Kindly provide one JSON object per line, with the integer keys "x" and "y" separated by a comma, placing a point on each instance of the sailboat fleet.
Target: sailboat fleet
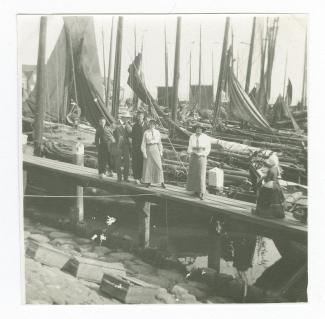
{"x": 243, "y": 126}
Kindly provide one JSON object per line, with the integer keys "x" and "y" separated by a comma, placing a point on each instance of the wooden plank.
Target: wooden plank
{"x": 213, "y": 204}
{"x": 46, "y": 254}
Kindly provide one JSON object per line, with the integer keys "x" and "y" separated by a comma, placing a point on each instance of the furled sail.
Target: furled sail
{"x": 137, "y": 84}
{"x": 242, "y": 108}
{"x": 73, "y": 72}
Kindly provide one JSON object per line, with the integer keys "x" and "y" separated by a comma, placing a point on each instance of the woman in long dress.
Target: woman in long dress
{"x": 270, "y": 198}
{"x": 152, "y": 151}
{"x": 199, "y": 148}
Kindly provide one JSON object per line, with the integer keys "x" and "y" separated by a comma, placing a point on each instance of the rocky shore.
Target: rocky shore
{"x": 50, "y": 285}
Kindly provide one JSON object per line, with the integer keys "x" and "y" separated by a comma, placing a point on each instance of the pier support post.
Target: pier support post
{"x": 143, "y": 210}
{"x": 214, "y": 254}
{"x": 78, "y": 206}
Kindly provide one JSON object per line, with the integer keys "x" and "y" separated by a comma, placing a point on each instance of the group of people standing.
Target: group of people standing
{"x": 117, "y": 143}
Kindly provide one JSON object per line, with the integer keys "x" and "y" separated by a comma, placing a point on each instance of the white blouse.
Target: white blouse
{"x": 199, "y": 144}
{"x": 151, "y": 137}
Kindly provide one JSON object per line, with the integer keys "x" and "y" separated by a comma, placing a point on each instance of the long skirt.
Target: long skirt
{"x": 152, "y": 167}
{"x": 137, "y": 162}
{"x": 196, "y": 179}
{"x": 270, "y": 202}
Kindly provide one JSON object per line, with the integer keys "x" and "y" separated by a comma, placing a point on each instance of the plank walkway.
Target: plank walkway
{"x": 212, "y": 204}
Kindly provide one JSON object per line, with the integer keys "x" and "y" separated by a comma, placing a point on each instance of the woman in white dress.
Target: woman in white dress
{"x": 152, "y": 151}
{"x": 199, "y": 147}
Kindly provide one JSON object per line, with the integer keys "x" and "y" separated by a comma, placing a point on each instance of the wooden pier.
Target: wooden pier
{"x": 214, "y": 205}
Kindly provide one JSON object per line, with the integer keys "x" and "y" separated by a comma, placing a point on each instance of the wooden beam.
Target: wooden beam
{"x": 143, "y": 210}
{"x": 176, "y": 68}
{"x": 78, "y": 207}
{"x": 215, "y": 250}
{"x": 40, "y": 89}
{"x": 117, "y": 69}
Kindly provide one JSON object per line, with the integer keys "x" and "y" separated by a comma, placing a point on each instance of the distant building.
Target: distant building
{"x": 28, "y": 79}
{"x": 161, "y": 95}
{"x": 206, "y": 100}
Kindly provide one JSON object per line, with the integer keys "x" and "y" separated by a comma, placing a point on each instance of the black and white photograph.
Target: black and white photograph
{"x": 164, "y": 158}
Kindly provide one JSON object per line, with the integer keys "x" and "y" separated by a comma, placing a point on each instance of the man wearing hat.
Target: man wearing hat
{"x": 137, "y": 157}
{"x": 122, "y": 147}
{"x": 199, "y": 147}
{"x": 104, "y": 140}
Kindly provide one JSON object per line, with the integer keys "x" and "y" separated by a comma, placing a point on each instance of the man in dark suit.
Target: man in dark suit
{"x": 104, "y": 140}
{"x": 137, "y": 157}
{"x": 122, "y": 149}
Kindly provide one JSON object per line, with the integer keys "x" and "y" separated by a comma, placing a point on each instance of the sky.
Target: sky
{"x": 150, "y": 30}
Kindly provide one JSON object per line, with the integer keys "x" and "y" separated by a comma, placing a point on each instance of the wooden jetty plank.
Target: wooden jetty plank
{"x": 234, "y": 209}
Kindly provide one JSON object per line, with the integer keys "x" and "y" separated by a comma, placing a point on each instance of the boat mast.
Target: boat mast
{"x": 166, "y": 72}
{"x": 285, "y": 77}
{"x": 189, "y": 95}
{"x": 304, "y": 79}
{"x": 135, "y": 98}
{"x": 212, "y": 82}
{"x": 41, "y": 89}
{"x": 221, "y": 73}
{"x": 109, "y": 65}
{"x": 117, "y": 69}
{"x": 200, "y": 67}
{"x": 104, "y": 64}
{"x": 250, "y": 58}
{"x": 176, "y": 69}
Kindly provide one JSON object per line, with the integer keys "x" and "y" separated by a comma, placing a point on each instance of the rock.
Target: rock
{"x": 101, "y": 250}
{"x": 90, "y": 255}
{"x": 39, "y": 238}
{"x": 63, "y": 241}
{"x": 47, "y": 229}
{"x": 170, "y": 275}
{"x": 56, "y": 234}
{"x": 122, "y": 256}
{"x": 154, "y": 280}
{"x": 200, "y": 294}
{"x": 86, "y": 248}
{"x": 178, "y": 291}
{"x": 82, "y": 241}
{"x": 165, "y": 297}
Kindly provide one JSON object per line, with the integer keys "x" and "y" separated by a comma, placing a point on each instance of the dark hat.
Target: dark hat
{"x": 198, "y": 125}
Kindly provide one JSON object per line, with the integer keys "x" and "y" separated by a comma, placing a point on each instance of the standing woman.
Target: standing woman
{"x": 270, "y": 198}
{"x": 199, "y": 148}
{"x": 152, "y": 151}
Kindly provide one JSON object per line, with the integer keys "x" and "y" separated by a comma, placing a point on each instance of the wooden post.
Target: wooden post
{"x": 250, "y": 58}
{"x": 214, "y": 254}
{"x": 78, "y": 206}
{"x": 221, "y": 73}
{"x": 176, "y": 68}
{"x": 117, "y": 69}
{"x": 108, "y": 86}
{"x": 40, "y": 89}
{"x": 143, "y": 210}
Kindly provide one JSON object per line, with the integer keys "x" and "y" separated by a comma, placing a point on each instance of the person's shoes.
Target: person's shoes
{"x": 201, "y": 196}
{"x": 148, "y": 185}
{"x": 163, "y": 185}
{"x": 102, "y": 175}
